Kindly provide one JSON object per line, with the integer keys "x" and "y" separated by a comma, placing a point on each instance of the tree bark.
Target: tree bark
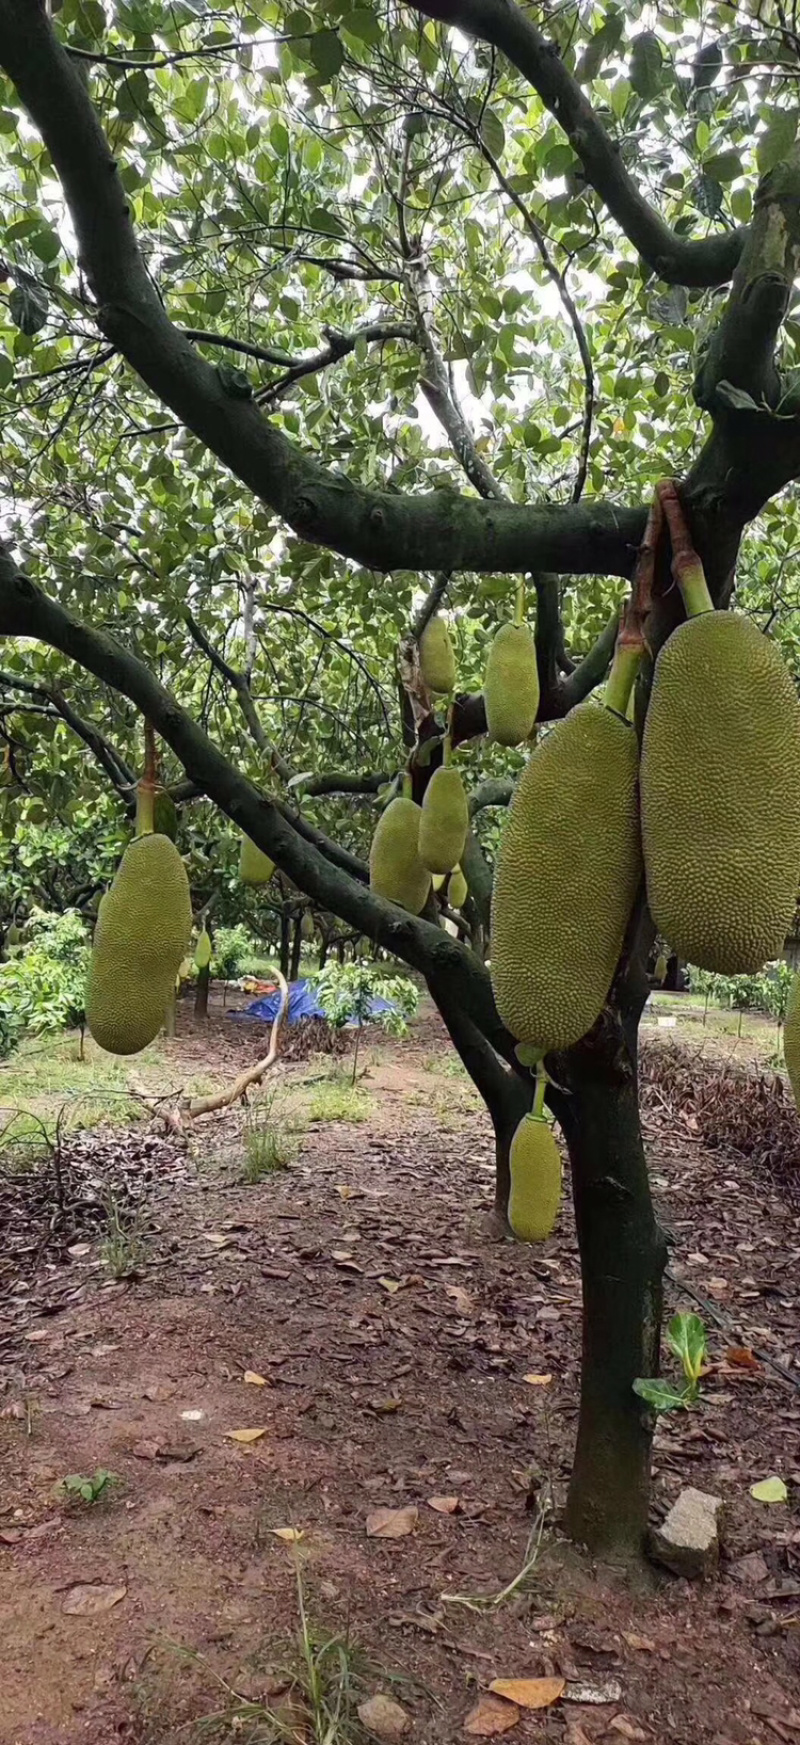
{"x": 202, "y": 991}
{"x": 297, "y": 946}
{"x": 623, "y": 1254}
{"x": 284, "y": 962}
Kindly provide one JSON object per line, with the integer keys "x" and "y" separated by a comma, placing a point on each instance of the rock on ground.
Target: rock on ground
{"x": 688, "y": 1540}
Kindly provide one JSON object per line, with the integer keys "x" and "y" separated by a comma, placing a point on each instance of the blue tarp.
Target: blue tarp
{"x": 303, "y": 1003}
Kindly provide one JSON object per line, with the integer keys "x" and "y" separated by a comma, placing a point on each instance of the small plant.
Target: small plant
{"x": 686, "y": 1338}
{"x": 124, "y": 1248}
{"x": 339, "y": 1100}
{"x": 77, "y": 1488}
{"x": 347, "y": 992}
{"x": 268, "y": 1144}
{"x": 233, "y": 947}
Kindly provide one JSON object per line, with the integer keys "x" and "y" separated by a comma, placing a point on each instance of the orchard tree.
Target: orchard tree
{"x": 320, "y": 317}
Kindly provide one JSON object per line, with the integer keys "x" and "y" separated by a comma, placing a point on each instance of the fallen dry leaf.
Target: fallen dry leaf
{"x": 628, "y": 1730}
{"x": 769, "y": 1490}
{"x": 252, "y": 1435}
{"x": 742, "y": 1357}
{"x": 88, "y": 1599}
{"x": 640, "y": 1642}
{"x": 290, "y": 1535}
{"x": 529, "y": 1693}
{"x": 392, "y": 1523}
{"x": 490, "y": 1717}
{"x": 445, "y": 1505}
{"x": 391, "y": 1285}
{"x": 253, "y": 1379}
{"x": 384, "y": 1717}
{"x": 538, "y": 1381}
{"x": 10, "y": 1535}
{"x": 460, "y": 1297}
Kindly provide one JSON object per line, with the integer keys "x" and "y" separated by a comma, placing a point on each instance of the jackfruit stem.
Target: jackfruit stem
{"x": 150, "y": 755}
{"x": 145, "y": 801}
{"x": 447, "y": 747}
{"x": 519, "y": 603}
{"x": 407, "y": 788}
{"x": 538, "y": 1096}
{"x": 686, "y": 565}
{"x": 622, "y": 677}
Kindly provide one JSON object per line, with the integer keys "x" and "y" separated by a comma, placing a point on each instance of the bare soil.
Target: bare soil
{"x": 394, "y": 1331}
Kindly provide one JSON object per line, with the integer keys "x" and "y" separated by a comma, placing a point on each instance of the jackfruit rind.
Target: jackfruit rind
{"x": 437, "y": 659}
{"x": 535, "y": 1170}
{"x": 457, "y": 889}
{"x": 395, "y": 869}
{"x": 142, "y": 933}
{"x": 444, "y": 822}
{"x": 720, "y": 788}
{"x": 567, "y": 873}
{"x": 511, "y": 685}
{"x": 255, "y": 867}
{"x": 791, "y": 1038}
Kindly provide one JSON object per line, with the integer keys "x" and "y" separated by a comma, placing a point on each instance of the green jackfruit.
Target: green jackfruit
{"x": 457, "y": 889}
{"x": 307, "y": 927}
{"x": 535, "y": 1168}
{"x": 395, "y": 869}
{"x": 511, "y": 685}
{"x": 165, "y": 814}
{"x": 202, "y": 950}
{"x": 791, "y": 1038}
{"x": 567, "y": 873}
{"x": 255, "y": 867}
{"x": 144, "y": 923}
{"x": 444, "y": 823}
{"x": 437, "y": 659}
{"x": 720, "y": 786}
{"x": 437, "y": 880}
{"x": 660, "y": 971}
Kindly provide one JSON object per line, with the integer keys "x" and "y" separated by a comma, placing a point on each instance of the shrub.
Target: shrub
{"x": 766, "y": 992}
{"x": 233, "y": 946}
{"x": 42, "y": 986}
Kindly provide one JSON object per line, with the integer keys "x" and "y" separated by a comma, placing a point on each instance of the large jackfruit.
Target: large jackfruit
{"x": 511, "y": 685}
{"x": 444, "y": 823}
{"x": 535, "y": 1169}
{"x": 255, "y": 867}
{"x": 791, "y": 1038}
{"x": 457, "y": 889}
{"x": 567, "y": 873}
{"x": 142, "y": 934}
{"x": 395, "y": 869}
{"x": 720, "y": 783}
{"x": 437, "y": 659}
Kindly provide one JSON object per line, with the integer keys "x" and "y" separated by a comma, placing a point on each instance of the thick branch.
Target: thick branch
{"x": 592, "y": 669}
{"x": 120, "y": 774}
{"x": 337, "y": 782}
{"x": 379, "y": 529}
{"x": 494, "y": 791}
{"x": 709, "y": 261}
{"x": 339, "y": 345}
{"x": 742, "y": 348}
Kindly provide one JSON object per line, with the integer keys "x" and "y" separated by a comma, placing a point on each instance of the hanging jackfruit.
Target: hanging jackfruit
{"x": 720, "y": 788}
{"x": 660, "y": 971}
{"x": 445, "y": 820}
{"x": 307, "y": 927}
{"x": 437, "y": 880}
{"x": 457, "y": 889}
{"x": 202, "y": 950}
{"x": 255, "y": 867}
{"x": 165, "y": 814}
{"x": 791, "y": 1038}
{"x": 567, "y": 873}
{"x": 437, "y": 659}
{"x": 395, "y": 869}
{"x": 144, "y": 923}
{"x": 511, "y": 685}
{"x": 535, "y": 1169}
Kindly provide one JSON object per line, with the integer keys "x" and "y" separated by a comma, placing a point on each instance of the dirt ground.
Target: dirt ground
{"x": 401, "y": 1357}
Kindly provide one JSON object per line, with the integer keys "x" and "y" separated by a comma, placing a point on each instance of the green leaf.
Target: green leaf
{"x": 326, "y": 53}
{"x": 707, "y": 66}
{"x": 769, "y": 1490}
{"x": 28, "y": 306}
{"x": 686, "y": 1338}
{"x": 662, "y": 1396}
{"x": 778, "y": 140}
{"x": 279, "y": 139}
{"x": 737, "y": 398}
{"x": 321, "y": 219}
{"x": 6, "y": 369}
{"x": 646, "y": 64}
{"x": 493, "y": 133}
{"x": 46, "y": 244}
{"x": 362, "y": 24}
{"x": 725, "y": 166}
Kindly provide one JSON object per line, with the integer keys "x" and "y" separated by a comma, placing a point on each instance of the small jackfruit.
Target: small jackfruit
{"x": 660, "y": 971}
{"x": 457, "y": 889}
{"x": 165, "y": 814}
{"x": 535, "y": 1169}
{"x": 567, "y": 873}
{"x": 791, "y": 1038}
{"x": 720, "y": 788}
{"x": 511, "y": 685}
{"x": 437, "y": 659}
{"x": 307, "y": 927}
{"x": 202, "y": 950}
{"x": 144, "y": 923}
{"x": 395, "y": 869}
{"x": 445, "y": 820}
{"x": 255, "y": 867}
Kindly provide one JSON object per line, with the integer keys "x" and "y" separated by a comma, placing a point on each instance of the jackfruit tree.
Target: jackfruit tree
{"x": 342, "y": 350}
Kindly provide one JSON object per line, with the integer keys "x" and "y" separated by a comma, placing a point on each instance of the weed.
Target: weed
{"x": 268, "y": 1145}
{"x": 123, "y": 1249}
{"x": 336, "y": 1100}
{"x": 78, "y": 1488}
{"x": 448, "y": 1064}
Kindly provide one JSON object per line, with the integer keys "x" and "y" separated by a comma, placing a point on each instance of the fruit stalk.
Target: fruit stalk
{"x": 686, "y": 565}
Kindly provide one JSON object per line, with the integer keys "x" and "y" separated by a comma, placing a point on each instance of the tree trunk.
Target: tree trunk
{"x": 285, "y": 942}
{"x": 323, "y": 953}
{"x": 297, "y": 946}
{"x": 169, "y": 1015}
{"x": 202, "y": 991}
{"x": 623, "y": 1254}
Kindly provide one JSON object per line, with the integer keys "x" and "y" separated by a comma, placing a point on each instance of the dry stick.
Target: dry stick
{"x": 252, "y": 1074}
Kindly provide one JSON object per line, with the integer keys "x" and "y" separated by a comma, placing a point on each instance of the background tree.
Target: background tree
{"x": 432, "y": 287}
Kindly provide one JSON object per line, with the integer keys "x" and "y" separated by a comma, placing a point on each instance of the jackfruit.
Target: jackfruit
{"x": 255, "y": 867}
{"x": 445, "y": 820}
{"x": 567, "y": 873}
{"x": 202, "y": 950}
{"x": 437, "y": 659}
{"x": 791, "y": 1038}
{"x": 457, "y": 889}
{"x": 307, "y": 927}
{"x": 720, "y": 788}
{"x": 14, "y": 934}
{"x": 535, "y": 1169}
{"x": 395, "y": 869}
{"x": 660, "y": 971}
{"x": 165, "y": 814}
{"x": 437, "y": 880}
{"x": 511, "y": 685}
{"x": 144, "y": 923}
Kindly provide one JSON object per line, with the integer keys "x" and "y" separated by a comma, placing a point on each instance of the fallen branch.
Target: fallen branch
{"x": 252, "y": 1074}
